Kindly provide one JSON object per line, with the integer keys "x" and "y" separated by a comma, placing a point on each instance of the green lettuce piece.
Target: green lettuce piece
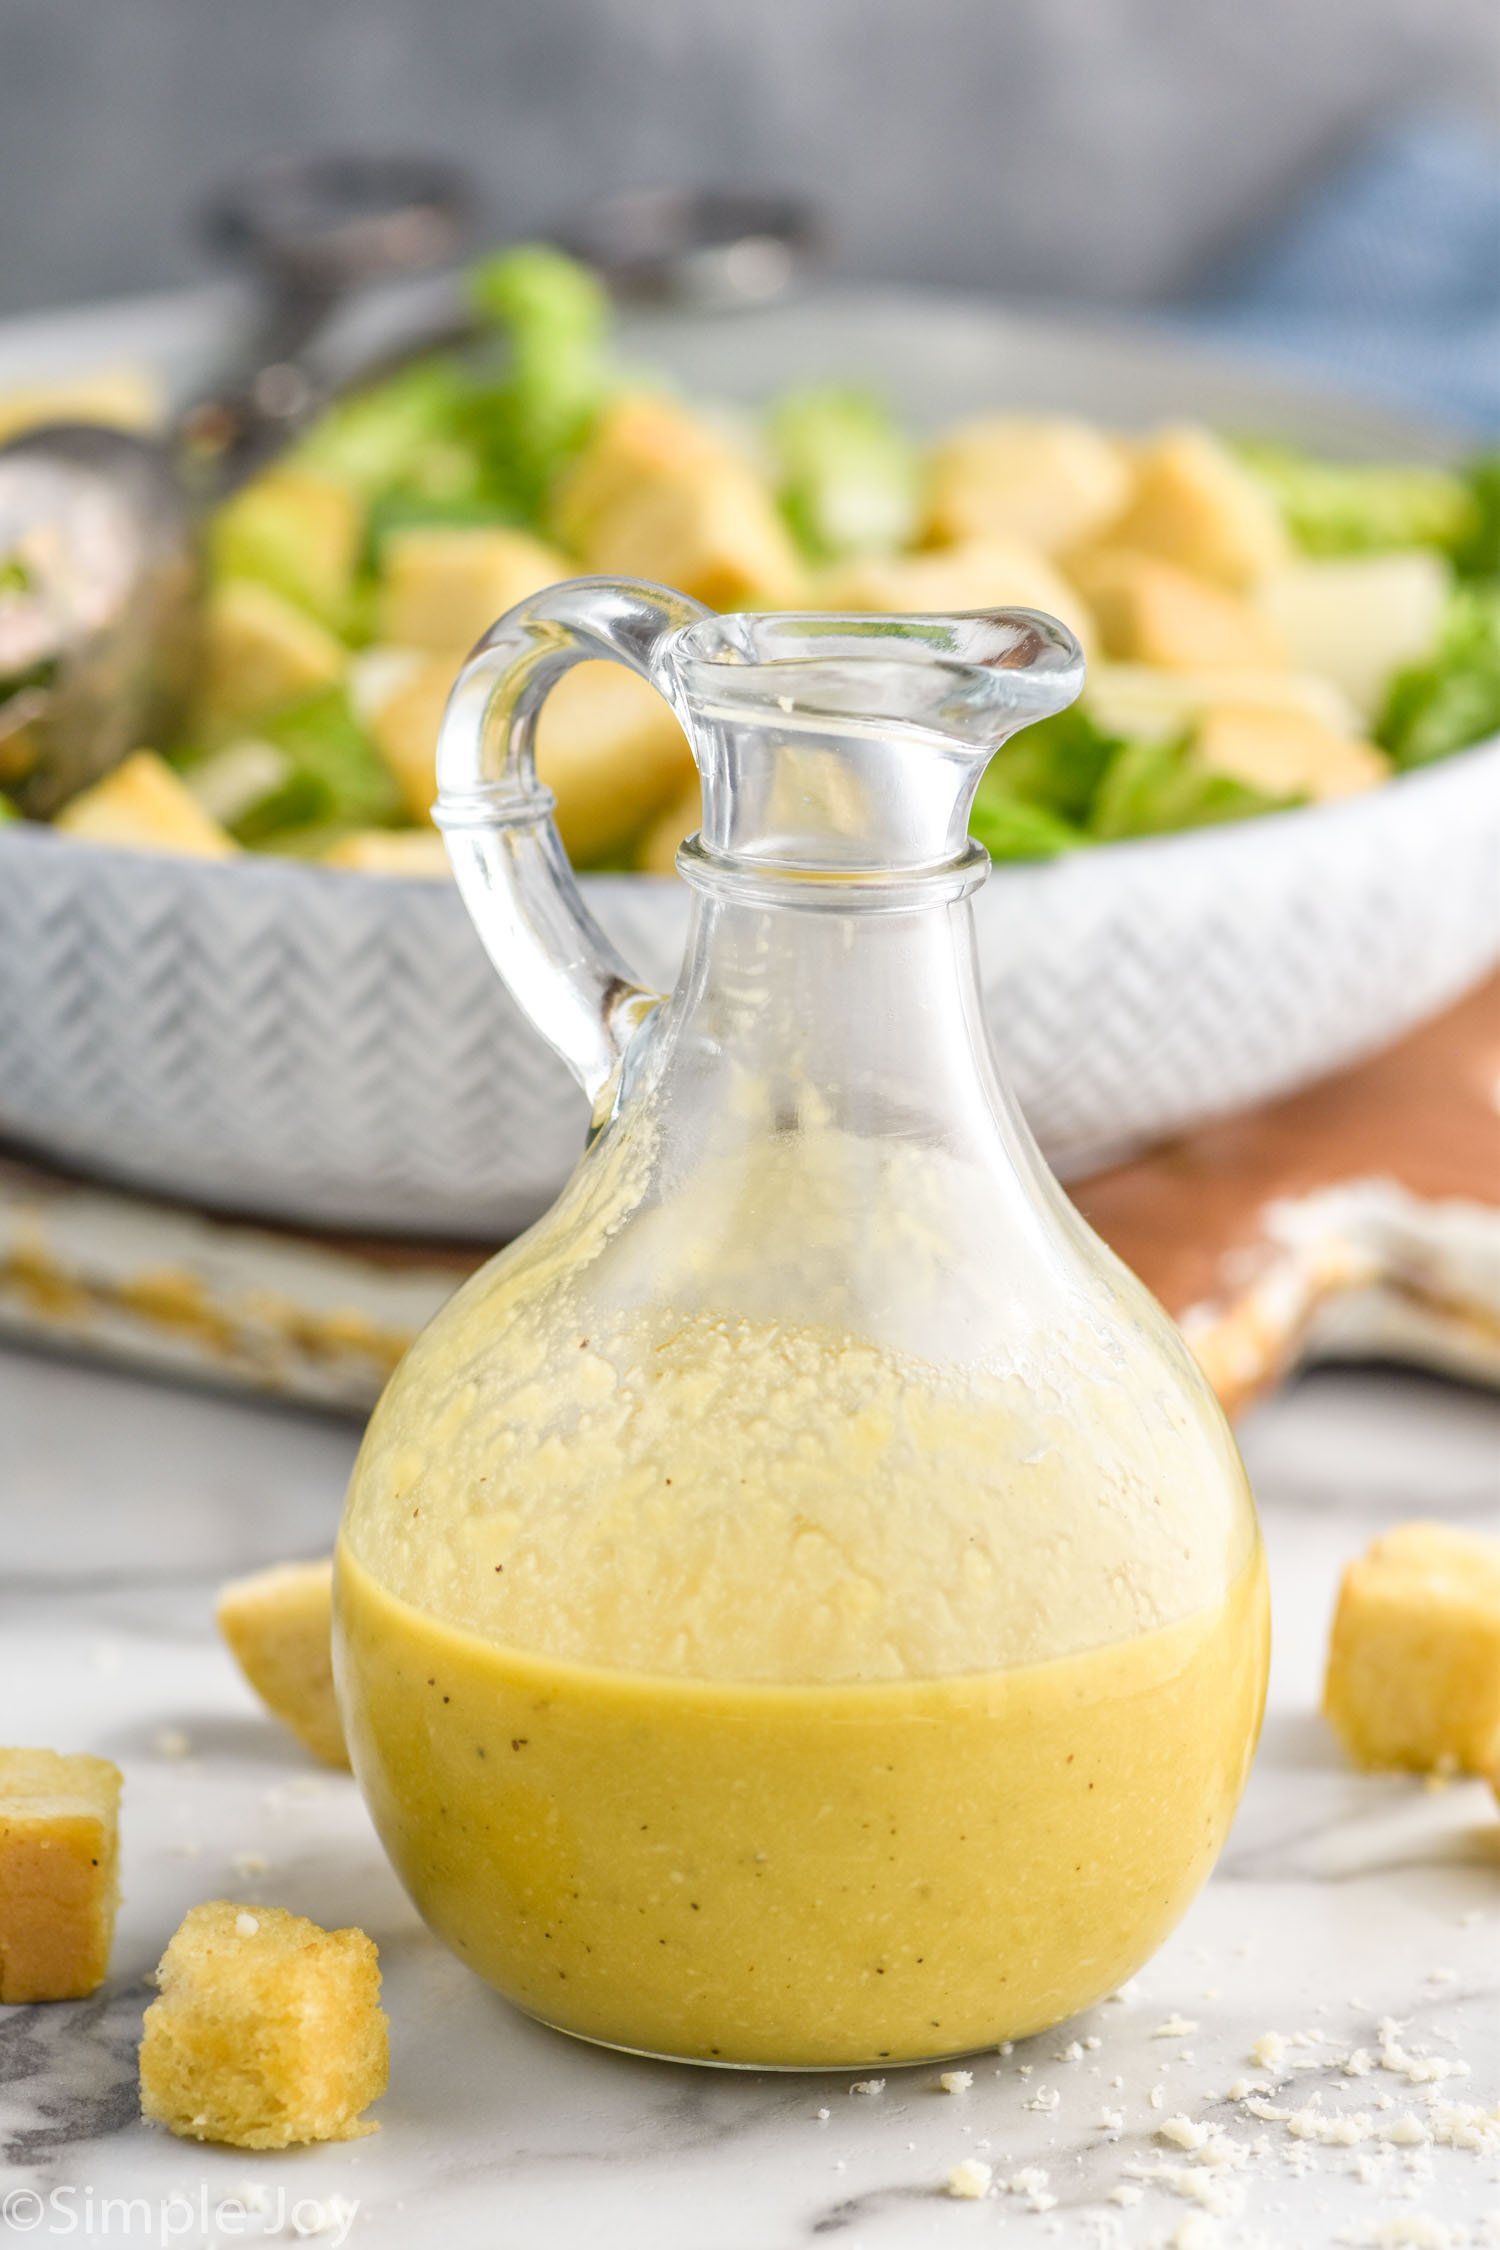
{"x": 1358, "y": 508}
{"x": 1452, "y": 698}
{"x": 8, "y": 811}
{"x": 234, "y": 781}
{"x": 1011, "y": 829}
{"x": 451, "y": 435}
{"x": 554, "y": 316}
{"x": 849, "y": 476}
{"x": 394, "y": 512}
{"x": 1477, "y": 554}
{"x": 300, "y": 537}
{"x": 1157, "y": 788}
{"x": 317, "y": 768}
{"x": 407, "y": 432}
{"x": 1056, "y": 764}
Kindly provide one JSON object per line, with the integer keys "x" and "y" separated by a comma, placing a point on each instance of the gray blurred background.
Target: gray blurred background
{"x": 1112, "y": 150}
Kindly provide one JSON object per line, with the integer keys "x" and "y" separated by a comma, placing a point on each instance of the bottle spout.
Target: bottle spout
{"x": 853, "y": 745}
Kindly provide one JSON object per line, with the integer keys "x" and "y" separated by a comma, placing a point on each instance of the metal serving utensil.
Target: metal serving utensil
{"x": 99, "y": 550}
{"x": 714, "y": 248}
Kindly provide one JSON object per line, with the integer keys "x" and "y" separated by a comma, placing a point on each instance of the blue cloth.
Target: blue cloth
{"x": 1387, "y": 276}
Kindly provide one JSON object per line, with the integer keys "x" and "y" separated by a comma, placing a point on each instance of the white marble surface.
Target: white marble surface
{"x": 1340, "y": 1900}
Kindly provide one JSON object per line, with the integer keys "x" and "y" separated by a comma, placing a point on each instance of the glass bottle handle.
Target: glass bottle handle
{"x": 512, "y": 869}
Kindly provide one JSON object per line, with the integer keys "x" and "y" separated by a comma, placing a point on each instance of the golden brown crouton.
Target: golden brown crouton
{"x": 608, "y": 747}
{"x": 1050, "y": 480}
{"x": 1147, "y": 611}
{"x": 260, "y": 651}
{"x": 980, "y": 574}
{"x": 1193, "y": 503}
{"x": 441, "y": 588}
{"x": 656, "y": 853}
{"x": 1414, "y": 1664}
{"x": 1285, "y": 754}
{"x": 143, "y": 806}
{"x": 418, "y": 852}
{"x": 278, "y": 1624}
{"x": 268, "y": 2031}
{"x": 658, "y": 494}
{"x": 59, "y": 1851}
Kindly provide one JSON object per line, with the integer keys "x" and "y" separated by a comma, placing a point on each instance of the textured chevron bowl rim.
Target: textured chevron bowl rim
{"x": 1132, "y": 990}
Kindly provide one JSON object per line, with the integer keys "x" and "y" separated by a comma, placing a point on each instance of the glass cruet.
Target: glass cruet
{"x": 799, "y": 1605}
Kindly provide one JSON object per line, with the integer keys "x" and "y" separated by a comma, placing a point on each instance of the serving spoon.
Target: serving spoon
{"x": 100, "y": 554}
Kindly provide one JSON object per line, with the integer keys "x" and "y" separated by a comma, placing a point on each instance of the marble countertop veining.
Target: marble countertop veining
{"x": 1341, "y": 1900}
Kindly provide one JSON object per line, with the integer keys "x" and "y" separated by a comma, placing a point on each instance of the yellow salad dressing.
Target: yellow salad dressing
{"x": 820, "y": 1874}
{"x": 696, "y": 1676}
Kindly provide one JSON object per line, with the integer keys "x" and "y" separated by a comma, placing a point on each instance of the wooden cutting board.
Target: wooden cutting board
{"x": 1359, "y": 1218}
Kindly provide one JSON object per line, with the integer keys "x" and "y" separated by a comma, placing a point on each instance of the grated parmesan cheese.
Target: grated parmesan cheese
{"x": 1183, "y": 2132}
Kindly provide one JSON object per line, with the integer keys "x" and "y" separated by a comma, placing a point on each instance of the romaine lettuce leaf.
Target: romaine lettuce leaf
{"x": 405, "y": 433}
{"x": 453, "y": 435}
{"x": 1358, "y": 508}
{"x": 322, "y": 770}
{"x": 1156, "y": 789}
{"x": 1011, "y": 829}
{"x": 848, "y": 474}
{"x": 417, "y": 511}
{"x": 1477, "y": 554}
{"x": 1452, "y": 698}
{"x": 555, "y": 318}
{"x": 1057, "y": 764}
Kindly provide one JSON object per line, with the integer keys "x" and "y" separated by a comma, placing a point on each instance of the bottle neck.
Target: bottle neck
{"x": 814, "y": 1120}
{"x": 866, "y": 1020}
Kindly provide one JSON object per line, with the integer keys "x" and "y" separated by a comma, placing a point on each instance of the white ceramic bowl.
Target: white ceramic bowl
{"x": 333, "y": 1048}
